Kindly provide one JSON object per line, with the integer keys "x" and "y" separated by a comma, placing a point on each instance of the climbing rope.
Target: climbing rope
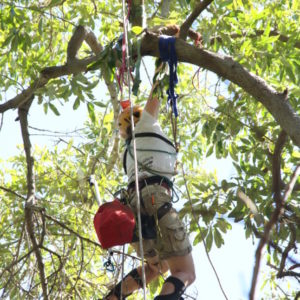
{"x": 126, "y": 56}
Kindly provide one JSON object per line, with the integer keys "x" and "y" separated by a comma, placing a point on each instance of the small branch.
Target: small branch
{"x": 72, "y": 231}
{"x": 286, "y": 251}
{"x": 277, "y": 212}
{"x": 259, "y": 235}
{"x": 289, "y": 188}
{"x": 276, "y": 171}
{"x": 11, "y": 265}
{"x": 233, "y": 35}
{"x": 24, "y": 96}
{"x": 289, "y": 273}
{"x": 12, "y": 192}
{"x": 192, "y": 17}
{"x": 295, "y": 266}
{"x": 23, "y": 112}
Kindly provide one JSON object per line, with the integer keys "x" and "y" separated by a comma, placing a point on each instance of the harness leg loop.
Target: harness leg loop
{"x": 179, "y": 290}
{"x": 116, "y": 291}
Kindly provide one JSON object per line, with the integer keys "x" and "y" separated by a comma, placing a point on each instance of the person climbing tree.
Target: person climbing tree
{"x": 170, "y": 249}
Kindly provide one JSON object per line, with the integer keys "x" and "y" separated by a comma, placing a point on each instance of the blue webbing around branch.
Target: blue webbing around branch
{"x": 168, "y": 53}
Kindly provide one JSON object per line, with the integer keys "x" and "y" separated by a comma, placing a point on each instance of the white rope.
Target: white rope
{"x": 122, "y": 274}
{"x": 134, "y": 154}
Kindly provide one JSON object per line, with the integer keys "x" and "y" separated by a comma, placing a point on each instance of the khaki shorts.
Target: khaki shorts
{"x": 172, "y": 239}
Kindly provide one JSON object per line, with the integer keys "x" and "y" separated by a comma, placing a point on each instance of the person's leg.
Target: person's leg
{"x": 133, "y": 280}
{"x": 182, "y": 268}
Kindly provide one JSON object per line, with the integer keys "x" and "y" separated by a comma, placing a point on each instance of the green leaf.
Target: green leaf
{"x": 55, "y": 2}
{"x": 290, "y": 70}
{"x": 209, "y": 240}
{"x": 223, "y": 225}
{"x": 218, "y": 238}
{"x": 100, "y": 104}
{"x": 40, "y": 26}
{"x": 8, "y": 40}
{"x": 210, "y": 151}
{"x": 54, "y": 109}
{"x": 45, "y": 106}
{"x": 14, "y": 43}
{"x": 225, "y": 3}
{"x": 76, "y": 103}
{"x": 91, "y": 111}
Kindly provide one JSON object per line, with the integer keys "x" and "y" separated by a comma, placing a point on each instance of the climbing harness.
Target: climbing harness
{"x": 117, "y": 290}
{"x": 179, "y": 290}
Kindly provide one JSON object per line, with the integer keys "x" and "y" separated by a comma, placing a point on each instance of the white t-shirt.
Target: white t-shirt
{"x": 154, "y": 155}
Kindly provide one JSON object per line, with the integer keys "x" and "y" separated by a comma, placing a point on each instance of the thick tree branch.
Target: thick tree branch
{"x": 227, "y": 68}
{"x": 75, "y": 42}
{"x": 173, "y": 30}
{"x": 31, "y": 201}
{"x": 277, "y": 212}
{"x": 137, "y": 13}
{"x": 192, "y": 17}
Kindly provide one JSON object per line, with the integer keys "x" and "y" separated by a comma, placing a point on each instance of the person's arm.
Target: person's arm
{"x": 152, "y": 104}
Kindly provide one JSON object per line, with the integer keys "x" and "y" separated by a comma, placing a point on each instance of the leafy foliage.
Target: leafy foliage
{"x": 216, "y": 118}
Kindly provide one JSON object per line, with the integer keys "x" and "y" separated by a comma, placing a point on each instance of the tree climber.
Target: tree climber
{"x": 171, "y": 249}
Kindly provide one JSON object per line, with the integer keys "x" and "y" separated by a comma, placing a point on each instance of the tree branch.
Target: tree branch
{"x": 73, "y": 66}
{"x": 12, "y": 192}
{"x": 31, "y": 201}
{"x": 192, "y": 17}
{"x": 282, "y": 38}
{"x": 137, "y": 15}
{"x": 75, "y": 42}
{"x": 286, "y": 251}
{"x": 290, "y": 186}
{"x": 272, "y": 244}
{"x": 11, "y": 265}
{"x": 72, "y": 231}
{"x": 277, "y": 212}
{"x": 227, "y": 68}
